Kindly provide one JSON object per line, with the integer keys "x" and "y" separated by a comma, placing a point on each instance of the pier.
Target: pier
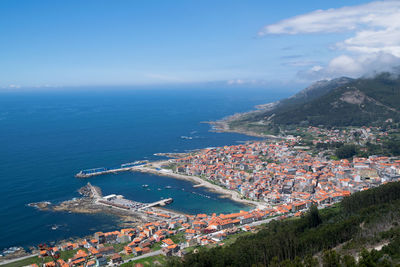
{"x": 162, "y": 202}
{"x": 102, "y": 170}
{"x": 118, "y": 201}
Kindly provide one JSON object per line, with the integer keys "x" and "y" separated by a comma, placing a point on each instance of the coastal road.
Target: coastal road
{"x": 18, "y": 259}
{"x": 256, "y": 223}
{"x": 151, "y": 254}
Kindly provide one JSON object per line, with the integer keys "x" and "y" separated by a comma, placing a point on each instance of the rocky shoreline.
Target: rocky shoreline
{"x": 222, "y": 126}
{"x": 172, "y": 155}
{"x": 87, "y": 204}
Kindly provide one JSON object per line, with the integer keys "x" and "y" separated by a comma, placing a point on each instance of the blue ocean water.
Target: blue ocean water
{"x": 47, "y": 137}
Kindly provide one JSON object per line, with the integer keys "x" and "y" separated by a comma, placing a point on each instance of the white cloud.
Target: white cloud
{"x": 355, "y": 66}
{"x": 375, "y": 44}
{"x": 317, "y": 68}
{"x": 345, "y": 64}
{"x": 375, "y": 41}
{"x": 374, "y": 14}
{"x": 301, "y": 63}
{"x": 14, "y": 86}
{"x": 246, "y": 82}
{"x": 236, "y": 81}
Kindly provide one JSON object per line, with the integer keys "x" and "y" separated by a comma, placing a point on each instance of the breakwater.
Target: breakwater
{"x": 102, "y": 170}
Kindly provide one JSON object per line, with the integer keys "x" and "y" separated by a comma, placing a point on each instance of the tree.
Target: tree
{"x": 313, "y": 217}
{"x": 366, "y": 259}
{"x": 274, "y": 262}
{"x": 310, "y": 261}
{"x": 331, "y": 259}
{"x": 349, "y": 261}
{"x": 346, "y": 151}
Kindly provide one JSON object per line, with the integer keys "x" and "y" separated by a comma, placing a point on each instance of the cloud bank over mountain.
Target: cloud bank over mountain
{"x": 374, "y": 42}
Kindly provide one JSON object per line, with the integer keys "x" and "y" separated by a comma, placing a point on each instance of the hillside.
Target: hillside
{"x": 310, "y": 93}
{"x": 340, "y": 102}
{"x": 364, "y": 225}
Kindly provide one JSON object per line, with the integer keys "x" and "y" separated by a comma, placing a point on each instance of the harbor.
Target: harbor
{"x": 92, "y": 201}
{"x": 157, "y": 168}
{"x": 103, "y": 170}
{"x": 118, "y": 201}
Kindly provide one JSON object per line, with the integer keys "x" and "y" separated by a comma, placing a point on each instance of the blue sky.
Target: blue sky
{"x": 238, "y": 43}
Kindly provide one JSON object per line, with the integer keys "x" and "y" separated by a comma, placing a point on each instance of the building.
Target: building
{"x": 116, "y": 258}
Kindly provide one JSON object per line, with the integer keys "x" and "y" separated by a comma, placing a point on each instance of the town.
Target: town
{"x": 285, "y": 177}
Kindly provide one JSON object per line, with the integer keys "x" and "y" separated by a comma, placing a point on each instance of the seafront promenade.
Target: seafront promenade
{"x": 155, "y": 168}
{"x": 269, "y": 174}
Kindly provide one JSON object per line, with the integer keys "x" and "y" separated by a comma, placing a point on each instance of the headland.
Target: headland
{"x": 92, "y": 201}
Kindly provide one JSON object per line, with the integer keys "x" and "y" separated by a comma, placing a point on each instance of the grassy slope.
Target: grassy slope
{"x": 329, "y": 110}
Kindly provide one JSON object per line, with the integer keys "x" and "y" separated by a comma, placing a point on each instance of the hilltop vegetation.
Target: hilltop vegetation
{"x": 332, "y": 237}
{"x": 340, "y": 102}
{"x": 308, "y": 94}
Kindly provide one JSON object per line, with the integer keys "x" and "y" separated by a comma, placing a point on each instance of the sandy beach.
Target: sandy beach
{"x": 155, "y": 168}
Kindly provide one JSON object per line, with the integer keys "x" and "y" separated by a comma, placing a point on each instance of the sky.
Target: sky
{"x": 59, "y": 43}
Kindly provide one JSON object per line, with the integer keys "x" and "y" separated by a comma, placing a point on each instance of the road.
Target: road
{"x": 160, "y": 202}
{"x": 95, "y": 194}
{"x": 151, "y": 254}
{"x": 17, "y": 259}
{"x": 256, "y": 223}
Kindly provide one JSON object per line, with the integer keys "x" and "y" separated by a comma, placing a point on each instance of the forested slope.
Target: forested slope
{"x": 361, "y": 220}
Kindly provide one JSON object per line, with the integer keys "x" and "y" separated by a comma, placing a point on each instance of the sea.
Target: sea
{"x": 46, "y": 137}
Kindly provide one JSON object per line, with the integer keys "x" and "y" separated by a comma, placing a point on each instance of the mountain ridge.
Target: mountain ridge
{"x": 339, "y": 102}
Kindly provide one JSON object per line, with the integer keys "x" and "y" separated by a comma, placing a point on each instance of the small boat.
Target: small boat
{"x": 168, "y": 187}
{"x": 54, "y": 227}
{"x": 145, "y": 185}
{"x": 159, "y": 189}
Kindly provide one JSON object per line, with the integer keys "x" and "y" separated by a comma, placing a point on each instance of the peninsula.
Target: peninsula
{"x": 340, "y": 102}
{"x": 92, "y": 201}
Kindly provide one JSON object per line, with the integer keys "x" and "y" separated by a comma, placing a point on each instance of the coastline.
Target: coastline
{"x": 222, "y": 126}
{"x": 235, "y": 196}
{"x": 92, "y": 202}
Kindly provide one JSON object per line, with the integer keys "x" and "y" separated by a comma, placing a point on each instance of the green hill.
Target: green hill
{"x": 340, "y": 102}
{"x": 312, "y": 92}
{"x": 364, "y": 226}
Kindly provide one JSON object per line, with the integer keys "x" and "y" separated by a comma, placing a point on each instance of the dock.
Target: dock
{"x": 102, "y": 170}
{"x": 118, "y": 201}
{"x": 161, "y": 202}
